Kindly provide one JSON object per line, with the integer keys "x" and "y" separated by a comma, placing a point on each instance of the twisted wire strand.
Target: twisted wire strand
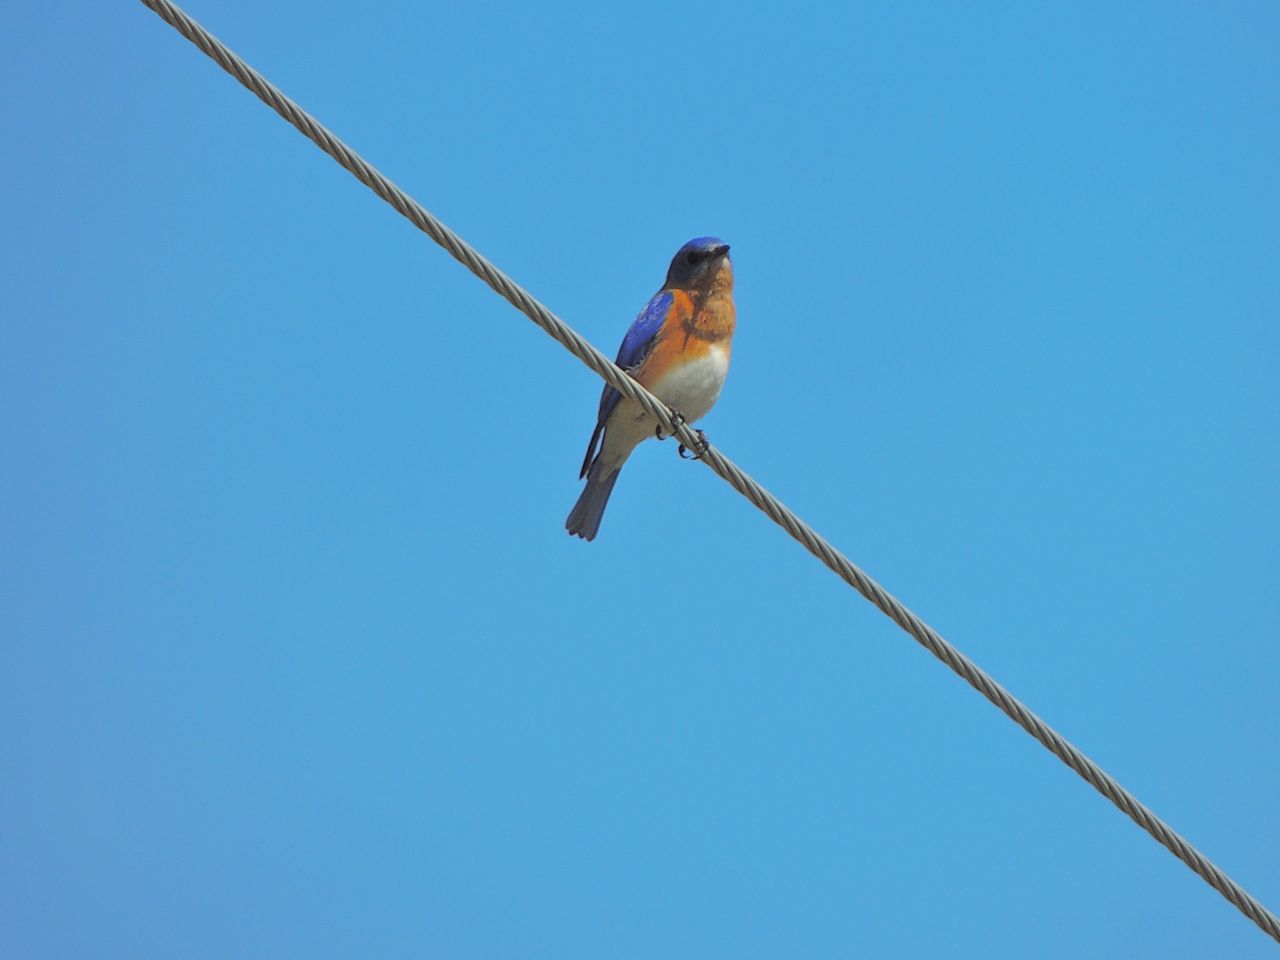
{"x": 812, "y": 541}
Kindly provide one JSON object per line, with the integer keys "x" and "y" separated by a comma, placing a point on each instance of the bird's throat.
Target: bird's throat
{"x": 715, "y": 320}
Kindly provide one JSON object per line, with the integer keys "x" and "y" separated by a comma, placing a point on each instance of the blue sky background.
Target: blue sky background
{"x": 297, "y": 659}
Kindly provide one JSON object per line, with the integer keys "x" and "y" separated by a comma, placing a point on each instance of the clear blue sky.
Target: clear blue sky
{"x": 296, "y": 658}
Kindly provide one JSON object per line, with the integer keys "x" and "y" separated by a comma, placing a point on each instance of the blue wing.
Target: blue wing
{"x": 635, "y": 347}
{"x": 636, "y": 344}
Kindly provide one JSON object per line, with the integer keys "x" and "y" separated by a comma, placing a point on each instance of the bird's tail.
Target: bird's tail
{"x": 584, "y": 518}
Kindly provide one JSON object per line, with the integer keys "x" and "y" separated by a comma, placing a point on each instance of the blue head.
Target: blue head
{"x": 699, "y": 263}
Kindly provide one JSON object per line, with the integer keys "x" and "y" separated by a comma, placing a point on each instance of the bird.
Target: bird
{"x": 678, "y": 348}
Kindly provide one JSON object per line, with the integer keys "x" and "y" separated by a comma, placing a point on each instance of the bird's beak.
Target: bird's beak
{"x": 721, "y": 250}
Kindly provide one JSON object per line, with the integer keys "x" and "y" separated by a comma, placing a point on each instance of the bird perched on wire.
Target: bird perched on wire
{"x": 678, "y": 347}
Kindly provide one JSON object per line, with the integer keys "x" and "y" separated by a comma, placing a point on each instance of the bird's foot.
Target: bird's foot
{"x": 676, "y": 421}
{"x": 701, "y": 449}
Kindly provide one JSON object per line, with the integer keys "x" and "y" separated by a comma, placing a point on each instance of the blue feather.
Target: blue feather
{"x": 645, "y": 327}
{"x": 635, "y": 347}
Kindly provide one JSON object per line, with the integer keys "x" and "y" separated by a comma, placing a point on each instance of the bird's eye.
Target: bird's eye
{"x": 692, "y": 257}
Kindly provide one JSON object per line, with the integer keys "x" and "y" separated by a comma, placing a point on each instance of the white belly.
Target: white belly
{"x": 693, "y": 387}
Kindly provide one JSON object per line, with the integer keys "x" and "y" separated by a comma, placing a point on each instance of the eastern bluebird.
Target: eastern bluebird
{"x": 678, "y": 347}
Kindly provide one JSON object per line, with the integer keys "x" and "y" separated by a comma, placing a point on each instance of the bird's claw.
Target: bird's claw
{"x": 676, "y": 421}
{"x": 702, "y": 448}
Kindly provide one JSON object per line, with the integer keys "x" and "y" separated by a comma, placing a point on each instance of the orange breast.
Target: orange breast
{"x": 716, "y": 319}
{"x": 670, "y": 351}
{"x": 688, "y": 334}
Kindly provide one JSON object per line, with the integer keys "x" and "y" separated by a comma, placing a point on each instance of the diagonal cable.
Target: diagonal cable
{"x": 523, "y": 301}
